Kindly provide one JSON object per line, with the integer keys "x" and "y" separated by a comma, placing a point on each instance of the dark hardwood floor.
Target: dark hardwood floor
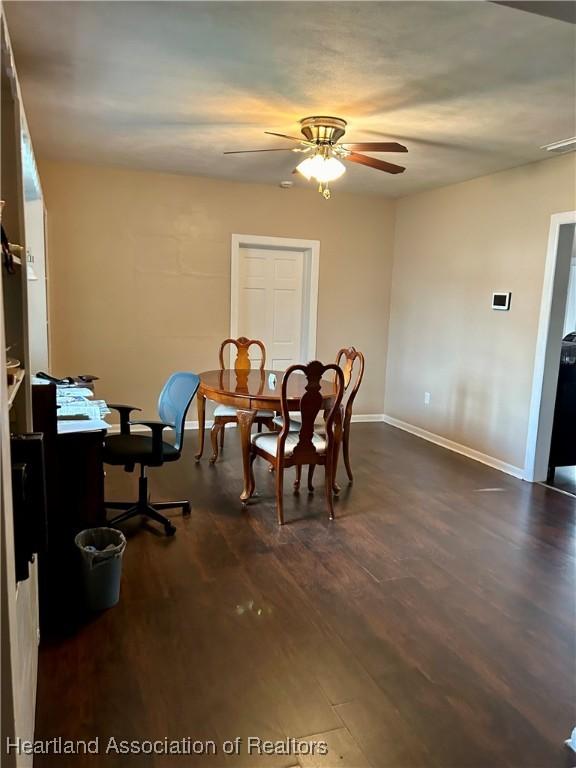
{"x": 565, "y": 479}
{"x": 431, "y": 625}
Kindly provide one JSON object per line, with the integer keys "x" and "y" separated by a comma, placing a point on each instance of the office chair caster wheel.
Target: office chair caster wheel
{"x": 186, "y": 510}
{"x": 170, "y": 529}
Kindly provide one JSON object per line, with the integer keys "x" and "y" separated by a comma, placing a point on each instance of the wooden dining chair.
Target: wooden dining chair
{"x": 226, "y": 414}
{"x": 352, "y": 363}
{"x": 293, "y": 449}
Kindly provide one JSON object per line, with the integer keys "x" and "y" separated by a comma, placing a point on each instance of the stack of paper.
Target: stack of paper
{"x": 79, "y": 411}
{"x": 78, "y": 403}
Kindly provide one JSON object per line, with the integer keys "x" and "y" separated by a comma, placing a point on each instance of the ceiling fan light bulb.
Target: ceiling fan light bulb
{"x": 317, "y": 165}
{"x": 330, "y": 170}
{"x": 307, "y": 168}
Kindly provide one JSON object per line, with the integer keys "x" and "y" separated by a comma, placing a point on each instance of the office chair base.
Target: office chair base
{"x": 144, "y": 507}
{"x": 183, "y": 505}
{"x": 150, "y": 511}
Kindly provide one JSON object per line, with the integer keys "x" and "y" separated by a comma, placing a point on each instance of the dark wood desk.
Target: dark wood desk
{"x": 248, "y": 392}
{"x": 75, "y": 500}
{"x": 76, "y": 487}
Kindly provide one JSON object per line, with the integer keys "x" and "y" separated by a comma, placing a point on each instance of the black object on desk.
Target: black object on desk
{"x": 84, "y": 378}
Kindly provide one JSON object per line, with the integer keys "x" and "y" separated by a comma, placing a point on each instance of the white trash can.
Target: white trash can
{"x": 101, "y": 550}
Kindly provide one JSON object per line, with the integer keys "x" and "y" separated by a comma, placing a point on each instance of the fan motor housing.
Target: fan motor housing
{"x": 323, "y": 130}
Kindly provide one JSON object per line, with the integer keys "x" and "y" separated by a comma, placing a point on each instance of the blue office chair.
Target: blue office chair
{"x": 128, "y": 449}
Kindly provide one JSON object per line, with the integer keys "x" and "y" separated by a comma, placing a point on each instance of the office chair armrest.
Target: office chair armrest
{"x": 124, "y": 411}
{"x": 157, "y": 428}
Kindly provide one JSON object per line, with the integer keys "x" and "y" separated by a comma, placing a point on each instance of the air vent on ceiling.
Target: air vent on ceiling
{"x": 559, "y": 147}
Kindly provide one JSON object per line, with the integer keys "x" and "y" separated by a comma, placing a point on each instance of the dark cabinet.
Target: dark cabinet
{"x": 563, "y": 446}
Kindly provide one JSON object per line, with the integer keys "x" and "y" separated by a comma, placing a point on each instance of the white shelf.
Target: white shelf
{"x": 15, "y": 386}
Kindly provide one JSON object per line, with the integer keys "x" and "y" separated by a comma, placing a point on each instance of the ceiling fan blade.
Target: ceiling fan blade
{"x": 380, "y": 165}
{"x": 247, "y": 151}
{"x": 376, "y": 146}
{"x": 290, "y": 138}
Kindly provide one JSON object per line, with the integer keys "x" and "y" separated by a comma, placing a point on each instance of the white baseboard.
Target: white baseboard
{"x": 208, "y": 424}
{"x": 470, "y": 453}
{"x": 368, "y": 417}
{"x": 114, "y": 429}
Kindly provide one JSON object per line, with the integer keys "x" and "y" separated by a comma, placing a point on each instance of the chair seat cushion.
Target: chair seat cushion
{"x": 229, "y": 410}
{"x": 294, "y": 425}
{"x": 268, "y": 442}
{"x": 134, "y": 449}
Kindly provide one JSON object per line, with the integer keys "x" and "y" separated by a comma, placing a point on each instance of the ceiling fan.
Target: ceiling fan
{"x": 325, "y": 154}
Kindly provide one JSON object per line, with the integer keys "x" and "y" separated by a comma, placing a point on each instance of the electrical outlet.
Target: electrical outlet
{"x": 426, "y": 398}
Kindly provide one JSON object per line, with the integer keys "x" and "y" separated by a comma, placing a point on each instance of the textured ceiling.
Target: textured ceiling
{"x": 469, "y": 87}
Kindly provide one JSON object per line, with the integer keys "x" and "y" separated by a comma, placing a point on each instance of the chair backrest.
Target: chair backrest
{"x": 174, "y": 401}
{"x": 242, "y": 344}
{"x": 352, "y": 363}
{"x": 310, "y": 405}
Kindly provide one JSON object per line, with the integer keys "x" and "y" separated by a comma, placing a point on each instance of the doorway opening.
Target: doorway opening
{"x": 555, "y": 358}
{"x": 36, "y": 268}
{"x": 274, "y": 296}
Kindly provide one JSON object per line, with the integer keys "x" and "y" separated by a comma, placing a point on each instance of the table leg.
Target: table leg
{"x": 245, "y": 421}
{"x": 201, "y": 403}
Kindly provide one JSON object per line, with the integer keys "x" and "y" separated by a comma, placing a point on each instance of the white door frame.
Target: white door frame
{"x": 311, "y": 249}
{"x": 547, "y": 359}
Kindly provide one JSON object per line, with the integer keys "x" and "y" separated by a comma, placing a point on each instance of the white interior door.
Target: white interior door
{"x": 270, "y": 295}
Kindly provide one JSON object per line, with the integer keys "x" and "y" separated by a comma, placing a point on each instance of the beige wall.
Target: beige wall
{"x": 453, "y": 247}
{"x": 140, "y": 276}
{"x": 140, "y": 272}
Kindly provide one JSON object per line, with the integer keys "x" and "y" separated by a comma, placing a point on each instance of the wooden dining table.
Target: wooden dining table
{"x": 248, "y": 392}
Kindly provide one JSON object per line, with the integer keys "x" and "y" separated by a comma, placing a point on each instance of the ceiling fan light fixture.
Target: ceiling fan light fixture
{"x": 323, "y": 169}
{"x": 323, "y": 164}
